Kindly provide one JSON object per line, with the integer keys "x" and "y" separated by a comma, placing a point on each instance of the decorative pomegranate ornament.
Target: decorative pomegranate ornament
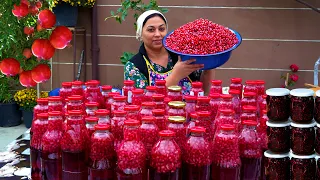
{"x": 26, "y": 80}
{"x": 42, "y": 49}
{"x": 27, "y": 53}
{"x": 38, "y": 4}
{"x": 10, "y": 66}
{"x": 41, "y": 73}
{"x": 46, "y": 19}
{"x": 20, "y": 11}
{"x": 60, "y": 37}
{"x": 28, "y": 30}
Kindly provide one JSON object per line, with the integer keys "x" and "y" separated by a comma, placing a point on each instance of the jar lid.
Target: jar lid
{"x": 54, "y": 98}
{"x": 270, "y": 154}
{"x": 249, "y": 108}
{"x": 119, "y": 98}
{"x": 131, "y": 107}
{"x": 236, "y": 80}
{"x": 131, "y": 122}
{"x": 158, "y": 112}
{"x": 177, "y": 104}
{"x": 278, "y": 124}
{"x": 249, "y": 123}
{"x": 178, "y": 119}
{"x": 198, "y": 129}
{"x": 175, "y": 88}
{"x": 119, "y": 112}
{"x": 226, "y": 111}
{"x": 250, "y": 82}
{"x": 260, "y": 82}
{"x": 160, "y": 82}
{"x": 190, "y": 98}
{"x": 148, "y": 104}
{"x": 167, "y": 133}
{"x": 55, "y": 113}
{"x": 112, "y": 94}
{"x": 278, "y": 92}
{"x": 158, "y": 96}
{"x": 214, "y": 95}
{"x": 216, "y": 82}
{"x": 148, "y": 119}
{"x": 151, "y": 88}
{"x": 301, "y": 92}
{"x": 106, "y": 87}
{"x": 102, "y": 127}
{"x": 137, "y": 91}
{"x": 93, "y": 83}
{"x": 318, "y": 93}
{"x": 42, "y": 100}
{"x": 226, "y": 96}
{"x": 234, "y": 91}
{"x": 227, "y": 127}
{"x": 312, "y": 156}
{"x": 91, "y": 119}
{"x": 204, "y": 99}
{"x": 102, "y": 112}
{"x": 66, "y": 84}
{"x": 203, "y": 114}
{"x": 75, "y": 98}
{"x": 193, "y": 115}
{"x": 75, "y": 112}
{"x": 128, "y": 83}
{"x": 92, "y": 104}
{"x": 196, "y": 84}
{"x": 299, "y": 125}
{"x": 77, "y": 83}
{"x": 43, "y": 115}
{"x": 249, "y": 94}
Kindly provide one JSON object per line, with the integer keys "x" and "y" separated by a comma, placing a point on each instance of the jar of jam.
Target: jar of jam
{"x": 177, "y": 108}
{"x": 159, "y": 100}
{"x": 216, "y": 86}
{"x": 117, "y": 123}
{"x": 190, "y": 105}
{"x": 278, "y": 136}
{"x": 161, "y": 121}
{"x": 65, "y": 91}
{"x": 75, "y": 103}
{"x": 236, "y": 102}
{"x": 177, "y": 125}
{"x": 214, "y": 103}
{"x": 103, "y": 115}
{"x": 105, "y": 90}
{"x": 303, "y": 138}
{"x": 55, "y": 103}
{"x": 278, "y": 104}
{"x": 277, "y": 166}
{"x": 303, "y": 167}
{"x": 127, "y": 90}
{"x": 132, "y": 112}
{"x": 203, "y": 103}
{"x": 250, "y": 86}
{"x": 175, "y": 93}
{"x": 150, "y": 91}
{"x": 236, "y": 84}
{"x": 196, "y": 89}
{"x": 302, "y": 105}
{"x": 317, "y": 146}
{"x": 317, "y": 107}
{"x": 161, "y": 87}
{"x": 249, "y": 98}
{"x": 119, "y": 103}
{"x": 146, "y": 109}
{"x": 77, "y": 88}
{"x": 91, "y": 107}
{"x": 137, "y": 96}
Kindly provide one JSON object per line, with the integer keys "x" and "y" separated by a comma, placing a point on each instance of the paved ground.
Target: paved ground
{"x": 8, "y": 134}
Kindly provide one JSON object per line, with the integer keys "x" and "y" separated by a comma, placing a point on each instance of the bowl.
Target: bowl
{"x": 210, "y": 61}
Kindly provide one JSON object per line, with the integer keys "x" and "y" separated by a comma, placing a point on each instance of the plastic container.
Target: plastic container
{"x": 178, "y": 126}
{"x": 216, "y": 86}
{"x": 159, "y": 100}
{"x": 55, "y": 103}
{"x": 137, "y": 96}
{"x": 203, "y": 103}
{"x": 75, "y": 103}
{"x": 303, "y": 138}
{"x": 177, "y": 108}
{"x": 161, "y": 87}
{"x": 91, "y": 108}
{"x": 65, "y": 91}
{"x": 317, "y": 107}
{"x": 77, "y": 88}
{"x": 196, "y": 89}
{"x": 278, "y": 103}
{"x": 303, "y": 167}
{"x": 236, "y": 84}
{"x": 103, "y": 115}
{"x": 277, "y": 166}
{"x": 302, "y": 105}
{"x": 317, "y": 143}
{"x": 214, "y": 103}
{"x": 127, "y": 90}
{"x": 150, "y": 91}
{"x": 117, "y": 124}
{"x": 278, "y": 136}
{"x": 161, "y": 121}
{"x": 175, "y": 93}
{"x": 190, "y": 106}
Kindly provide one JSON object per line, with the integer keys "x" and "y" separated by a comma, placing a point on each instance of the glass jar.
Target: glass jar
{"x": 65, "y": 91}
{"x": 131, "y": 154}
{"x": 105, "y": 90}
{"x": 226, "y": 163}
{"x": 175, "y": 93}
{"x": 249, "y": 98}
{"x": 161, "y": 87}
{"x": 203, "y": 103}
{"x": 127, "y": 90}
{"x": 302, "y": 105}
{"x": 302, "y": 138}
{"x": 91, "y": 122}
{"x": 102, "y": 158}
{"x": 165, "y": 164}
{"x": 150, "y": 91}
{"x": 77, "y": 88}
{"x": 159, "y": 100}
{"x": 146, "y": 109}
{"x": 317, "y": 107}
{"x": 192, "y": 123}
{"x": 177, "y": 108}
{"x": 249, "y": 113}
{"x": 317, "y": 143}
{"x": 137, "y": 96}
{"x": 92, "y": 93}
{"x": 236, "y": 84}
{"x": 214, "y": 103}
{"x": 262, "y": 130}
{"x": 196, "y": 89}
{"x": 50, "y": 147}
{"x": 166, "y": 102}
{"x": 103, "y": 115}
{"x": 250, "y": 151}
{"x": 132, "y": 112}
{"x": 177, "y": 125}
{"x": 198, "y": 155}
{"x": 75, "y": 103}
{"x": 260, "y": 85}
{"x": 55, "y": 103}
{"x": 119, "y": 103}
{"x": 236, "y": 102}
{"x": 277, "y": 166}
{"x": 91, "y": 108}
{"x": 204, "y": 120}
{"x": 73, "y": 145}
{"x": 278, "y": 136}
{"x": 161, "y": 121}
{"x": 39, "y": 127}
{"x": 226, "y": 102}
{"x": 190, "y": 106}
{"x": 262, "y": 104}
{"x": 303, "y": 167}
{"x": 41, "y": 107}
{"x": 278, "y": 104}
{"x": 250, "y": 86}
{"x": 225, "y": 116}
{"x": 117, "y": 123}
{"x": 216, "y": 86}
{"x": 110, "y": 99}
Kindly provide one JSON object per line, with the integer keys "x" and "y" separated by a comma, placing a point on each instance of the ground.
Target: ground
{"x": 8, "y": 134}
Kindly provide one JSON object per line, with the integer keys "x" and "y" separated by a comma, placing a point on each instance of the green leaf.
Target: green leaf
{"x": 112, "y": 13}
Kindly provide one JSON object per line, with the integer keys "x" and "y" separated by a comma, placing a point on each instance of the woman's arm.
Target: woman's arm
{"x": 206, "y": 77}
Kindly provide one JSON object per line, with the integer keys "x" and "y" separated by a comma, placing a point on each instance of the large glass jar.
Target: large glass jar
{"x": 150, "y": 91}
{"x": 137, "y": 96}
{"x": 65, "y": 91}
{"x": 302, "y": 105}
{"x": 226, "y": 163}
{"x": 127, "y": 90}
{"x": 50, "y": 147}
{"x": 204, "y": 120}
{"x": 203, "y": 103}
{"x": 198, "y": 155}
{"x": 165, "y": 157}
{"x": 175, "y": 93}
{"x": 317, "y": 146}
{"x": 117, "y": 123}
{"x": 249, "y": 98}
{"x": 190, "y": 106}
{"x": 146, "y": 109}
{"x": 278, "y": 136}
{"x": 277, "y": 166}
{"x": 302, "y": 167}
{"x": 91, "y": 108}
{"x": 161, "y": 87}
{"x": 177, "y": 108}
{"x": 91, "y": 122}
{"x": 132, "y": 112}
{"x": 236, "y": 101}
{"x": 161, "y": 121}
{"x": 214, "y": 103}
{"x": 75, "y": 103}
{"x": 110, "y": 99}
{"x": 103, "y": 115}
{"x": 196, "y": 89}
{"x": 102, "y": 158}
{"x": 236, "y": 84}
{"x": 317, "y": 107}
{"x": 216, "y": 86}
{"x": 250, "y": 151}
{"x": 302, "y": 138}
{"x": 159, "y": 100}
{"x": 177, "y": 125}
{"x": 131, "y": 153}
{"x": 250, "y": 86}
{"x": 77, "y": 88}
{"x": 278, "y": 103}
{"x": 55, "y": 103}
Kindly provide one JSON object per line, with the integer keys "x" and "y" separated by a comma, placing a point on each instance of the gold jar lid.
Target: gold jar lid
{"x": 177, "y": 104}
{"x": 174, "y": 88}
{"x": 177, "y": 119}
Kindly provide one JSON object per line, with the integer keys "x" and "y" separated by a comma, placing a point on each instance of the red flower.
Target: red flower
{"x": 294, "y": 68}
{"x": 294, "y": 77}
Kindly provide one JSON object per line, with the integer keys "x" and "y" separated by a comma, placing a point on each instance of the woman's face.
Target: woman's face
{"x": 153, "y": 31}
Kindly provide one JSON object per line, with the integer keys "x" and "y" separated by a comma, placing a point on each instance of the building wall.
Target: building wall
{"x": 276, "y": 33}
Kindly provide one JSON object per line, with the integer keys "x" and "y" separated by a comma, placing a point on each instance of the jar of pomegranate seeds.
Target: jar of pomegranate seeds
{"x": 159, "y": 100}
{"x": 75, "y": 103}
{"x": 236, "y": 84}
{"x": 127, "y": 90}
{"x": 198, "y": 155}
{"x": 278, "y": 104}
{"x": 137, "y": 96}
{"x": 102, "y": 158}
{"x": 302, "y": 105}
{"x": 105, "y": 90}
{"x": 91, "y": 107}
{"x": 50, "y": 147}
{"x": 77, "y": 88}
{"x": 177, "y": 125}
{"x": 103, "y": 115}
{"x": 249, "y": 98}
{"x": 250, "y": 86}
{"x": 250, "y": 151}
{"x": 249, "y": 113}
{"x": 262, "y": 130}
{"x": 91, "y": 122}
{"x": 196, "y": 89}
{"x": 165, "y": 157}
{"x": 190, "y": 106}
{"x": 93, "y": 93}
{"x": 110, "y": 99}
{"x": 236, "y": 102}
{"x": 214, "y": 104}
{"x": 226, "y": 101}
{"x": 225, "y": 116}
{"x": 131, "y": 153}
{"x": 132, "y": 112}
{"x": 166, "y": 102}
{"x": 302, "y": 167}
{"x": 65, "y": 91}
{"x": 204, "y": 120}
{"x": 317, "y": 107}
{"x": 55, "y": 103}
{"x": 216, "y": 86}
{"x": 39, "y": 127}
{"x": 117, "y": 123}
{"x": 175, "y": 93}
{"x": 119, "y": 103}
{"x": 161, "y": 121}
{"x": 278, "y": 136}
{"x": 277, "y": 166}
{"x": 161, "y": 87}
{"x": 317, "y": 146}
{"x": 262, "y": 104}
{"x": 302, "y": 138}
{"x": 177, "y": 108}
{"x": 41, "y": 107}
{"x": 226, "y": 161}
{"x": 203, "y": 103}
{"x": 150, "y": 91}
{"x": 192, "y": 123}
{"x": 146, "y": 109}
{"x": 260, "y": 85}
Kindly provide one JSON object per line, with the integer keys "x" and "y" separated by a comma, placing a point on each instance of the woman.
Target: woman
{"x": 154, "y": 62}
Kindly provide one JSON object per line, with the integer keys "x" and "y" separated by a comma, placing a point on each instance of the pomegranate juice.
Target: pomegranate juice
{"x": 51, "y": 166}
{"x": 163, "y": 176}
{"x": 74, "y": 166}
{"x": 250, "y": 169}
{"x": 197, "y": 172}
{"x": 35, "y": 163}
{"x": 224, "y": 173}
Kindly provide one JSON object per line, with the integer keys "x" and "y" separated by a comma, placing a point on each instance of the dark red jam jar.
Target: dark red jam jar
{"x": 303, "y": 138}
{"x": 318, "y": 167}
{"x": 302, "y": 105}
{"x": 277, "y": 166}
{"x": 317, "y": 107}
{"x": 278, "y": 104}
{"x": 317, "y": 146}
{"x": 303, "y": 167}
{"x": 278, "y": 136}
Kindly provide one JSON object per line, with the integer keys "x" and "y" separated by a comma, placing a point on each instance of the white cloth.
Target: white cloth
{"x": 141, "y": 19}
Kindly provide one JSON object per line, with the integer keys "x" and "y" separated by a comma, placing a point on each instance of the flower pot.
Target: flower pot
{"x": 27, "y": 118}
{"x": 66, "y": 14}
{"x": 10, "y": 115}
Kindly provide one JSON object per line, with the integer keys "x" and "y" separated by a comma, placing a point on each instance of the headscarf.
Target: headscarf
{"x": 142, "y": 18}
